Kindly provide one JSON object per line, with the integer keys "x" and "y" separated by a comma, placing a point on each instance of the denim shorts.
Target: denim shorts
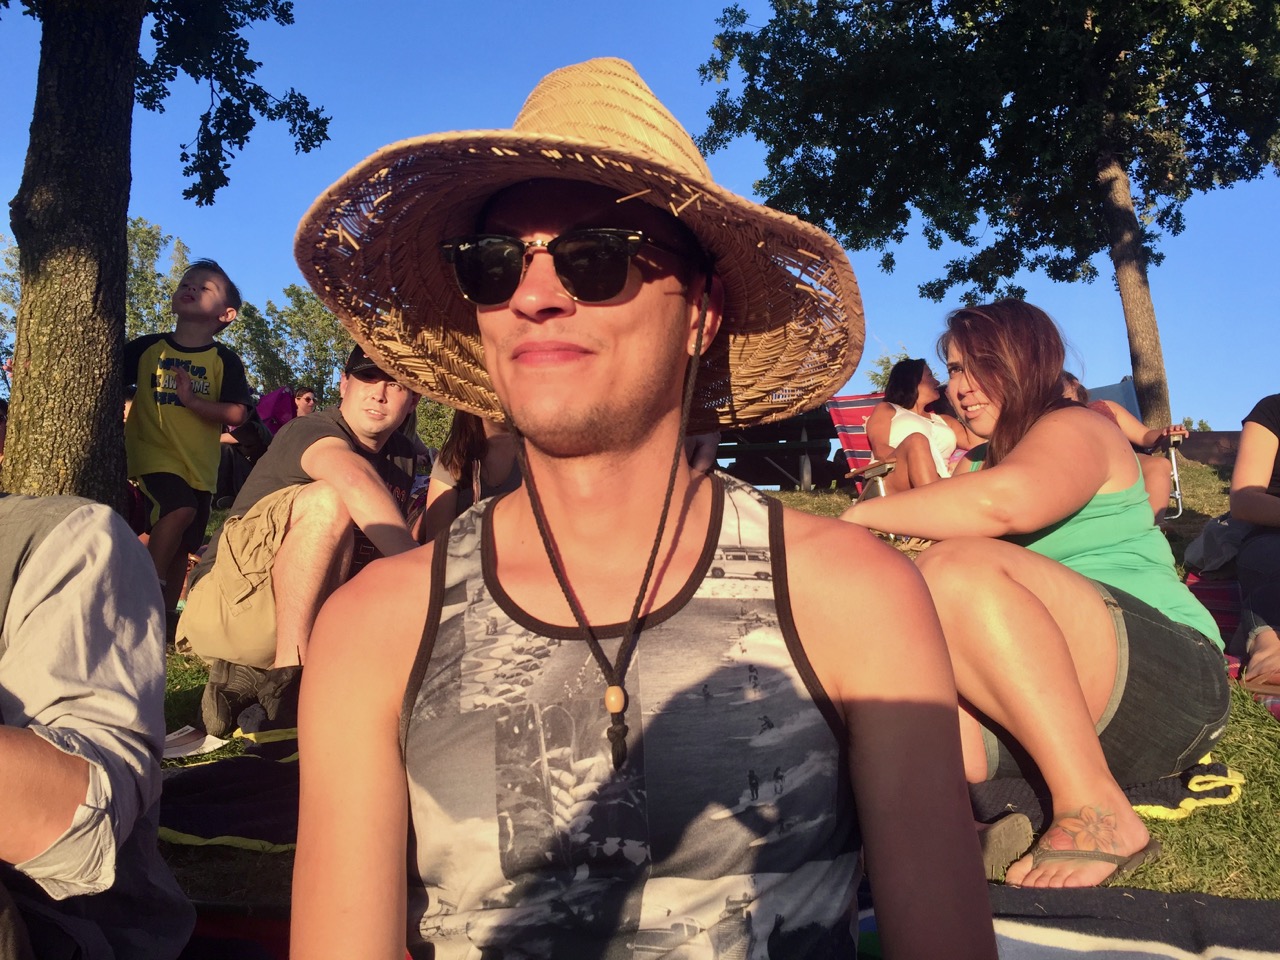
{"x": 1168, "y": 707}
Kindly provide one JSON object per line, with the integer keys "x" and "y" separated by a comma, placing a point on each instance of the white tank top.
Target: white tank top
{"x": 942, "y": 440}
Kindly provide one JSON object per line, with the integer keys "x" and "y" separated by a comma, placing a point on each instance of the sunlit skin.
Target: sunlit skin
{"x": 975, "y": 406}
{"x": 580, "y": 378}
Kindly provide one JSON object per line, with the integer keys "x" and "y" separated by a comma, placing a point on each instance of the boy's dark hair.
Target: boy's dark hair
{"x": 233, "y": 292}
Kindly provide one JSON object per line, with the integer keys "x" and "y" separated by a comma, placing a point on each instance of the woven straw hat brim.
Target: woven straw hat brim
{"x": 792, "y": 331}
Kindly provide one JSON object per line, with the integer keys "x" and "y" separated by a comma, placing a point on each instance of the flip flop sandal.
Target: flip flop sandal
{"x": 1004, "y": 842}
{"x": 1123, "y": 864}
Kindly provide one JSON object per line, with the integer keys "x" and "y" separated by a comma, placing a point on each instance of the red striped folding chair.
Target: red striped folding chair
{"x": 850, "y": 414}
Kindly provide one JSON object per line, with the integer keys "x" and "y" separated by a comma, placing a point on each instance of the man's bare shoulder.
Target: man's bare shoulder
{"x": 382, "y": 608}
{"x": 821, "y": 549}
{"x": 849, "y": 592}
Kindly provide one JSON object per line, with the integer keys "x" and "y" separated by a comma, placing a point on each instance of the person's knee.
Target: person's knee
{"x": 320, "y": 505}
{"x": 952, "y": 571}
{"x": 180, "y": 517}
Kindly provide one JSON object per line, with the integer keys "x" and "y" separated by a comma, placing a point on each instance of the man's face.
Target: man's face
{"x": 580, "y": 378}
{"x": 202, "y": 295}
{"x": 374, "y": 406}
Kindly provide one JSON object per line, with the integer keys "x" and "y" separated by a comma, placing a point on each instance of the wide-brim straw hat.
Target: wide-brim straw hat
{"x": 792, "y": 330}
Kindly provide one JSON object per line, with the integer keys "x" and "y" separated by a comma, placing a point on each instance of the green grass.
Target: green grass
{"x": 1231, "y": 850}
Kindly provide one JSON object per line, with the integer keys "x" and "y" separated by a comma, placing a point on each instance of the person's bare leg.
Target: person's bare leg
{"x": 311, "y": 563}
{"x": 164, "y": 544}
{"x": 915, "y": 466}
{"x": 1033, "y": 648}
{"x": 175, "y": 578}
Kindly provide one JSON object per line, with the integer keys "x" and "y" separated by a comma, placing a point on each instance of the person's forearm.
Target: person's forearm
{"x": 42, "y": 789}
{"x": 217, "y": 411}
{"x": 374, "y": 511}
{"x": 1255, "y": 505}
{"x": 936, "y": 512}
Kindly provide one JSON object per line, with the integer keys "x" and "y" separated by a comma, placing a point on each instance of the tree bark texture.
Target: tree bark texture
{"x": 1130, "y": 263}
{"x": 69, "y": 219}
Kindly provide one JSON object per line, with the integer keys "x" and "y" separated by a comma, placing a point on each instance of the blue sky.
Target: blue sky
{"x": 390, "y": 69}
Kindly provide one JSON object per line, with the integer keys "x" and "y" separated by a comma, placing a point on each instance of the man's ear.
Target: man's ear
{"x": 714, "y": 291}
{"x": 342, "y": 386}
{"x": 228, "y": 315}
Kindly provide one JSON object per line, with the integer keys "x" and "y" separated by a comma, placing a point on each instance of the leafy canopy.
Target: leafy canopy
{"x": 203, "y": 39}
{"x": 990, "y": 119}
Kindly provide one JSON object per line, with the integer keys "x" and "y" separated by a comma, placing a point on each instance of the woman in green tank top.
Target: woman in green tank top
{"x": 1079, "y": 656}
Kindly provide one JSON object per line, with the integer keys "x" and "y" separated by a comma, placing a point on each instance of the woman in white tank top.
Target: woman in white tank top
{"x": 902, "y": 429}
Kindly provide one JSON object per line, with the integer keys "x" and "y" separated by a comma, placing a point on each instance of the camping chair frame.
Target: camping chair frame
{"x": 849, "y": 414}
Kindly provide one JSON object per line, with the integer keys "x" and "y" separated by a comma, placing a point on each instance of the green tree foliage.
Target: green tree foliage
{"x": 1021, "y": 131}
{"x": 1201, "y": 426}
{"x": 148, "y": 305}
{"x": 879, "y": 376}
{"x": 434, "y": 419}
{"x": 262, "y": 347}
{"x": 315, "y": 342}
{"x": 70, "y": 213}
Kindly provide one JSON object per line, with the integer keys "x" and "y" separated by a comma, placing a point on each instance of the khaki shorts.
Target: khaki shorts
{"x": 231, "y": 611}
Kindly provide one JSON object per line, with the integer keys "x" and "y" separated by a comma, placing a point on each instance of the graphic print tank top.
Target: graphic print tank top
{"x": 728, "y": 833}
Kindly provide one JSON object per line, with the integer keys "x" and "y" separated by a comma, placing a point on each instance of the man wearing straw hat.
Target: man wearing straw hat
{"x": 524, "y": 717}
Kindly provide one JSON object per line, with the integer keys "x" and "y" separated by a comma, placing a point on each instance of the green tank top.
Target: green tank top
{"x": 1111, "y": 539}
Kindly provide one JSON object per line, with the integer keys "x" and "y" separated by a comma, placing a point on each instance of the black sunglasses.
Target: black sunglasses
{"x": 591, "y": 263}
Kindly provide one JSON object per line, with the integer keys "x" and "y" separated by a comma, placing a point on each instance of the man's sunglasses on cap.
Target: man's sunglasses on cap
{"x": 591, "y": 263}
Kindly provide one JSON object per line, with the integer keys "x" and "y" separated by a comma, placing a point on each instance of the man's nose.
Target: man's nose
{"x": 540, "y": 293}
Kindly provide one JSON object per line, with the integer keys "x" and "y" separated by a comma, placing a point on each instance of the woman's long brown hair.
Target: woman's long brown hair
{"x": 464, "y": 444}
{"x": 1014, "y": 352}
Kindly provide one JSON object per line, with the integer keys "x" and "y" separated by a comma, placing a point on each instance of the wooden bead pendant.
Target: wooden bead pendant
{"x": 615, "y": 699}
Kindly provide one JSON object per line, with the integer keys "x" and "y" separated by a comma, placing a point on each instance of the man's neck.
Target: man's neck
{"x": 602, "y": 512}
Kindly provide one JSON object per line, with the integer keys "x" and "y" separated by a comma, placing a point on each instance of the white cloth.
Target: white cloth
{"x": 942, "y": 440}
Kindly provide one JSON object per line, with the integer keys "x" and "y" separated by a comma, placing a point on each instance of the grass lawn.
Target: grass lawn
{"x": 1231, "y": 850}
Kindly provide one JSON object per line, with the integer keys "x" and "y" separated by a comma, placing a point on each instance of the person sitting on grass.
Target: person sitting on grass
{"x": 81, "y": 734}
{"x": 1157, "y": 473}
{"x": 1255, "y": 497}
{"x": 1079, "y": 656}
{"x": 905, "y": 430}
{"x": 477, "y": 461}
{"x": 328, "y": 495}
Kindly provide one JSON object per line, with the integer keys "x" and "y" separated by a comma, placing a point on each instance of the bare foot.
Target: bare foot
{"x": 1091, "y": 829}
{"x": 1264, "y": 659}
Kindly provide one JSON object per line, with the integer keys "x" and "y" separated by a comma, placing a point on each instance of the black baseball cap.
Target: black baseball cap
{"x": 359, "y": 362}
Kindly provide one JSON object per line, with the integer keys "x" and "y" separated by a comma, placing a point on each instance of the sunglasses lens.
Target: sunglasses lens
{"x": 592, "y": 264}
{"x": 488, "y": 268}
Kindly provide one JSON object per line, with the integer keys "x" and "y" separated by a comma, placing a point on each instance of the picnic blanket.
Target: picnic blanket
{"x": 1115, "y": 923}
{"x": 249, "y": 801}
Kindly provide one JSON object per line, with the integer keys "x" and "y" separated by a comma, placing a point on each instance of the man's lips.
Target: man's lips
{"x": 548, "y": 351}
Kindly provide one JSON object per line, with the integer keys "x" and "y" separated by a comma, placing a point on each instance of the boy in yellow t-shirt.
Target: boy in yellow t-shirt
{"x": 188, "y": 387}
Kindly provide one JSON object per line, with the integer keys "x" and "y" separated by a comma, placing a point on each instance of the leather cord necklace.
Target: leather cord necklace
{"x": 615, "y": 694}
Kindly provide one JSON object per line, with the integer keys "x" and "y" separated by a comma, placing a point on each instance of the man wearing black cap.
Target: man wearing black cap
{"x": 292, "y": 537}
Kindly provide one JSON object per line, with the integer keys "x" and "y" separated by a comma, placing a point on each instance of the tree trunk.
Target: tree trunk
{"x": 69, "y": 220}
{"x": 1130, "y": 263}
